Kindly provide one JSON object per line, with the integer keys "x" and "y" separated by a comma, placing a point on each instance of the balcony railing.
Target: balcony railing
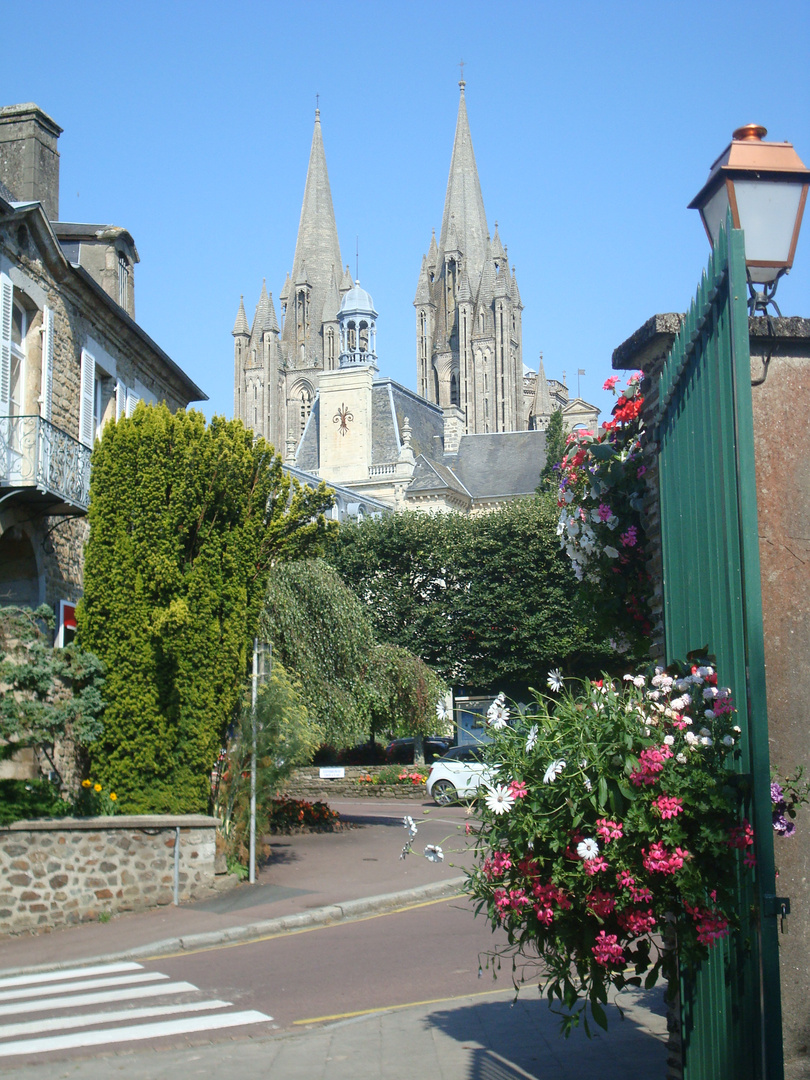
{"x": 37, "y": 455}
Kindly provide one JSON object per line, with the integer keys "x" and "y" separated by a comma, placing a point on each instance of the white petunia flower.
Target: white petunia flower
{"x": 434, "y": 853}
{"x": 681, "y": 759}
{"x": 553, "y": 771}
{"x": 499, "y": 799}
{"x": 611, "y": 552}
{"x": 531, "y": 738}
{"x": 690, "y": 738}
{"x": 728, "y": 740}
{"x": 555, "y": 680}
{"x": 669, "y": 740}
{"x": 587, "y": 849}
{"x": 705, "y": 740}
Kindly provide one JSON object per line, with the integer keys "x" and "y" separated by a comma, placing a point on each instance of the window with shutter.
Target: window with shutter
{"x": 6, "y": 306}
{"x": 132, "y": 401}
{"x": 88, "y": 399}
{"x": 46, "y": 386}
{"x": 120, "y": 399}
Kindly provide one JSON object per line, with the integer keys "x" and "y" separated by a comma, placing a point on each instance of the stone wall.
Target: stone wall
{"x": 71, "y": 870}
{"x": 306, "y": 783}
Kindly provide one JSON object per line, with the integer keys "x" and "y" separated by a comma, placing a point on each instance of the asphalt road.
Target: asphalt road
{"x": 367, "y": 998}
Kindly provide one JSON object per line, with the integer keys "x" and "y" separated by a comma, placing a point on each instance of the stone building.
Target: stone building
{"x": 307, "y": 381}
{"x": 72, "y": 358}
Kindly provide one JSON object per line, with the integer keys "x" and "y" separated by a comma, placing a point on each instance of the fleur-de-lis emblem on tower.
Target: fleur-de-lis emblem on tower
{"x": 344, "y": 418}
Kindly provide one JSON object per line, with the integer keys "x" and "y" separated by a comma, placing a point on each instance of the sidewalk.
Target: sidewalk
{"x": 310, "y": 878}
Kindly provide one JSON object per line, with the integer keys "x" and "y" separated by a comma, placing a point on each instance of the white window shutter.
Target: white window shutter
{"x": 6, "y": 301}
{"x": 132, "y": 401}
{"x": 46, "y": 389}
{"x": 120, "y": 399}
{"x": 87, "y": 400}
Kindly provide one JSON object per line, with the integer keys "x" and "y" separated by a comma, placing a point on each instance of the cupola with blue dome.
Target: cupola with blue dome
{"x": 357, "y": 320}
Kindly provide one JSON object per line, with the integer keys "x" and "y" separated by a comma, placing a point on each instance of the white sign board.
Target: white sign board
{"x": 332, "y": 772}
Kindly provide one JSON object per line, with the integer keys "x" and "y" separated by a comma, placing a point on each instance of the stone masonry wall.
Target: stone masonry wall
{"x": 71, "y": 870}
{"x": 306, "y": 783}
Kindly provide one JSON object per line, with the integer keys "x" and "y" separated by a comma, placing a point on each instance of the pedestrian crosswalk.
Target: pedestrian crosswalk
{"x": 81, "y": 1007}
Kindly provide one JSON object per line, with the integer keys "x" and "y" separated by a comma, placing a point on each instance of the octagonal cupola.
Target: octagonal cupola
{"x": 357, "y": 321}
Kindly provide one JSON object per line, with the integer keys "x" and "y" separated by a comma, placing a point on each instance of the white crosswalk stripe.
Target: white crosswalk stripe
{"x": 74, "y": 993}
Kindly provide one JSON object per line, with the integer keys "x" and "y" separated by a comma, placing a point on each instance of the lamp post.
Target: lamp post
{"x": 764, "y": 185}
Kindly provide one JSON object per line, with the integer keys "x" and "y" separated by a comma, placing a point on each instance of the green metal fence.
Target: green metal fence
{"x": 731, "y": 1011}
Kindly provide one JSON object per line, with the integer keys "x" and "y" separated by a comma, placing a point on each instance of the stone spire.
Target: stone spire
{"x": 317, "y": 251}
{"x": 240, "y": 327}
{"x": 464, "y": 203}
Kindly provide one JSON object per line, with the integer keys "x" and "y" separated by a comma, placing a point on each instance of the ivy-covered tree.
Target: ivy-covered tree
{"x": 485, "y": 600}
{"x": 186, "y": 519}
{"x": 353, "y": 686}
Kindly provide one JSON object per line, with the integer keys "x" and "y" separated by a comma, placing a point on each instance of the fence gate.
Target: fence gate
{"x": 731, "y": 1009}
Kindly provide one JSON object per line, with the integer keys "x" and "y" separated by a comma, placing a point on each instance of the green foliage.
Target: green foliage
{"x": 352, "y": 686}
{"x": 27, "y": 800}
{"x": 186, "y": 520}
{"x": 556, "y": 447}
{"x": 49, "y": 690}
{"x": 286, "y": 737}
{"x": 480, "y": 599}
{"x": 613, "y": 816}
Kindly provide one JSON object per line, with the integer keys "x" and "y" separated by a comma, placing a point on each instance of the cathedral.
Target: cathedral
{"x": 473, "y": 435}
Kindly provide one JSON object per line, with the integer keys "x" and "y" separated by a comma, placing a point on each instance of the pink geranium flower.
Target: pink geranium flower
{"x": 607, "y": 950}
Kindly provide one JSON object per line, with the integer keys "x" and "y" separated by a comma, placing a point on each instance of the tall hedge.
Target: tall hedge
{"x": 185, "y": 522}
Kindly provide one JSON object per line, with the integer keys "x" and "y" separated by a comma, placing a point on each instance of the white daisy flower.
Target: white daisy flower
{"x": 434, "y": 853}
{"x": 555, "y": 680}
{"x": 442, "y": 712}
{"x": 587, "y": 849}
{"x": 553, "y": 771}
{"x": 498, "y": 713}
{"x": 531, "y": 738}
{"x": 499, "y": 799}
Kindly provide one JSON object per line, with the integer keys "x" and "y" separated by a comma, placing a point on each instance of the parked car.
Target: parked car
{"x": 401, "y": 750}
{"x": 458, "y": 774}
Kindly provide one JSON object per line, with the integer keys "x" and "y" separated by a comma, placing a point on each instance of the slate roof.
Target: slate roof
{"x": 308, "y": 455}
{"x": 506, "y": 463}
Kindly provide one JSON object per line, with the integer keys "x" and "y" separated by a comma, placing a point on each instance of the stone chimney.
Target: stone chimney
{"x": 29, "y": 160}
{"x": 453, "y": 428}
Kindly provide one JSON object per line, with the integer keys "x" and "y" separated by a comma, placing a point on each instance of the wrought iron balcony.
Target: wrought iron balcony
{"x": 44, "y": 464}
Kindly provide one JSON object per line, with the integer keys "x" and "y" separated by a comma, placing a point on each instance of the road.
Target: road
{"x": 365, "y": 998}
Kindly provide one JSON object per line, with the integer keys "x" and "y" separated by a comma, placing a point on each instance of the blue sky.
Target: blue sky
{"x": 594, "y": 124}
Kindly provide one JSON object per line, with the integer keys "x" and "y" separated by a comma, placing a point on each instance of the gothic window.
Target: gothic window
{"x": 454, "y": 399}
{"x": 301, "y": 312}
{"x": 254, "y": 391}
{"x": 306, "y": 408}
{"x": 483, "y": 323}
{"x": 330, "y": 345}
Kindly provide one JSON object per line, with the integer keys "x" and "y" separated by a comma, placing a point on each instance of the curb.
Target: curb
{"x": 285, "y": 924}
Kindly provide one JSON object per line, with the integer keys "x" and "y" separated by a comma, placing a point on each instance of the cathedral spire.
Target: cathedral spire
{"x": 317, "y": 251}
{"x": 464, "y": 203}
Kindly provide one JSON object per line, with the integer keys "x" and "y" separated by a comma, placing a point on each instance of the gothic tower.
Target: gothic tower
{"x": 468, "y": 307}
{"x": 278, "y": 367}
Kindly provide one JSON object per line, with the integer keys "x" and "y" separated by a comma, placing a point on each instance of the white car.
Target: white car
{"x": 458, "y": 774}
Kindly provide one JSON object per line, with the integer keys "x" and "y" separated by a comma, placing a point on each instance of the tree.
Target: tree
{"x": 488, "y": 600}
{"x": 186, "y": 520}
{"x": 353, "y": 686}
{"x": 556, "y": 446}
{"x": 47, "y": 693}
{"x": 286, "y": 736}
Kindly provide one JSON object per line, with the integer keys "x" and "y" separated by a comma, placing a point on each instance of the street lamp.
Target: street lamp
{"x": 765, "y": 186}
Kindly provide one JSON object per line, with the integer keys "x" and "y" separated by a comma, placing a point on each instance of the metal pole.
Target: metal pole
{"x": 177, "y": 866}
{"x": 252, "y": 866}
